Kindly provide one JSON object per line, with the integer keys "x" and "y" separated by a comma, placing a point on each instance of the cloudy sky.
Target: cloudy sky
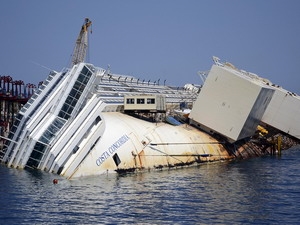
{"x": 154, "y": 39}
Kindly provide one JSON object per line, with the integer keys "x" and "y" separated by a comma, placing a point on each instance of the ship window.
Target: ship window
{"x": 150, "y": 100}
{"x": 75, "y": 149}
{"x": 23, "y": 110}
{"x": 81, "y": 78}
{"x": 70, "y": 110}
{"x": 19, "y": 117}
{"x": 47, "y": 136}
{"x": 63, "y": 115}
{"x": 97, "y": 120}
{"x": 91, "y": 68}
{"x": 58, "y": 123}
{"x": 130, "y": 100}
{"x": 36, "y": 155}
{"x": 116, "y": 159}
{"x": 26, "y": 106}
{"x": 40, "y": 89}
{"x": 73, "y": 103}
{"x": 34, "y": 96}
{"x": 13, "y": 129}
{"x": 140, "y": 101}
{"x": 84, "y": 70}
{"x": 76, "y": 87}
{"x": 69, "y": 100}
{"x": 73, "y": 93}
{"x": 65, "y": 107}
{"x": 53, "y": 129}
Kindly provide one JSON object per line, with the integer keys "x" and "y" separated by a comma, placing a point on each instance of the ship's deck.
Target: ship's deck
{"x": 113, "y": 87}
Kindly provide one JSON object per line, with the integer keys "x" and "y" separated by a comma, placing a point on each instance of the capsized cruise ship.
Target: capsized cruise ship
{"x": 87, "y": 121}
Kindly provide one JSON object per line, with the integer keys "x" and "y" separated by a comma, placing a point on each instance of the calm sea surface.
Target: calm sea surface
{"x": 256, "y": 191}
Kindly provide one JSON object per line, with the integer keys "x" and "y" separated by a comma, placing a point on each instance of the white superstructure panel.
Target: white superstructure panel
{"x": 283, "y": 112}
{"x": 230, "y": 103}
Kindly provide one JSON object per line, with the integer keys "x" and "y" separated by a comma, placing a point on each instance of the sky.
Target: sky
{"x": 153, "y": 39}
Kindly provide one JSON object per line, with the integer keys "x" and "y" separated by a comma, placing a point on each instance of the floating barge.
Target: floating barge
{"x": 87, "y": 121}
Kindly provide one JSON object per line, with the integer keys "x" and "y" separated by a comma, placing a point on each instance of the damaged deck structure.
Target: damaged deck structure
{"x": 253, "y": 115}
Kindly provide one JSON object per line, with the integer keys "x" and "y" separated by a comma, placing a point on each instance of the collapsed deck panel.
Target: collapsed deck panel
{"x": 283, "y": 112}
{"x": 230, "y": 103}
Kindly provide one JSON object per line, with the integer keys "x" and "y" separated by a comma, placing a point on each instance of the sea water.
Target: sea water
{"x": 262, "y": 190}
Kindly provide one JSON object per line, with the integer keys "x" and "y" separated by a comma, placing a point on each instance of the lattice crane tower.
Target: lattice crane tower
{"x": 81, "y": 43}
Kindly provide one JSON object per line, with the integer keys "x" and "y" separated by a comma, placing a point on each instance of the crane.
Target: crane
{"x": 81, "y": 43}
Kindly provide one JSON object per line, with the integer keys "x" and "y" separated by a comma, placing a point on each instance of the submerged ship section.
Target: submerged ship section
{"x": 47, "y": 115}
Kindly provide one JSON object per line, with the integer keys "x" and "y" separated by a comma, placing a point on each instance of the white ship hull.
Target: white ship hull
{"x": 142, "y": 145}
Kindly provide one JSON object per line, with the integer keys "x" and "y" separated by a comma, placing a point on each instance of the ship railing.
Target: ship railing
{"x": 134, "y": 88}
{"x": 110, "y": 82}
{"x": 110, "y": 89}
{"x": 111, "y": 99}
